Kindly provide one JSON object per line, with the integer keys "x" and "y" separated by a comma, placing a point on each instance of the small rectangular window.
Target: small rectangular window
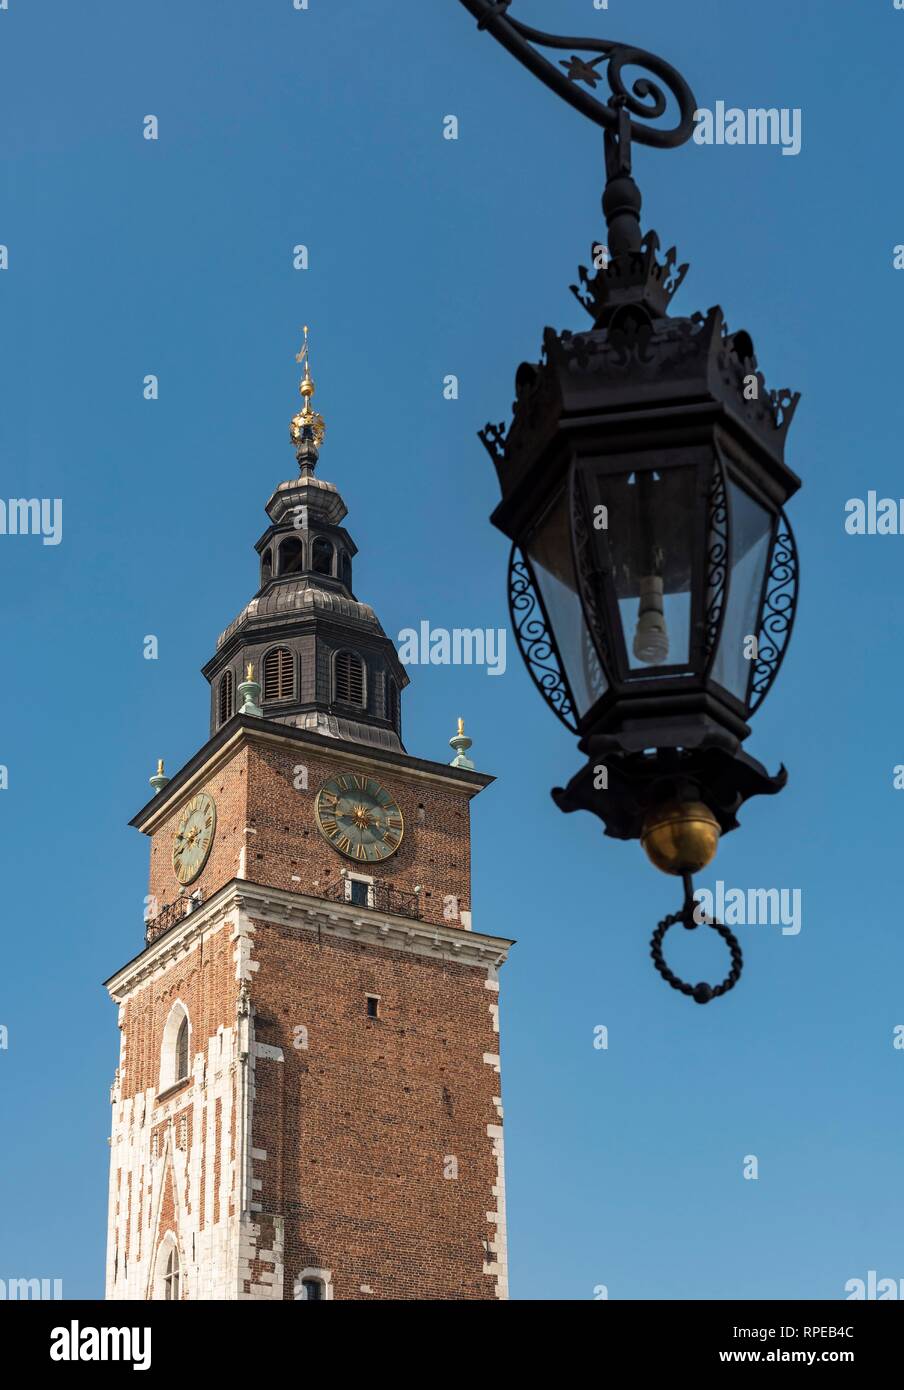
{"x": 373, "y": 1006}
{"x": 359, "y": 892}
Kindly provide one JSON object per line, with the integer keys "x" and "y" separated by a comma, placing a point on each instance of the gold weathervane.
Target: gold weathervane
{"x": 307, "y": 425}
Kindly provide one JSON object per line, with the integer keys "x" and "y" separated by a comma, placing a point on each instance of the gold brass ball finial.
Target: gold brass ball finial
{"x": 307, "y": 427}
{"x": 680, "y": 837}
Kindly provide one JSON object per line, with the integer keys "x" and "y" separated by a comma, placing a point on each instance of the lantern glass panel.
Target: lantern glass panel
{"x": 651, "y": 531}
{"x": 549, "y": 550}
{"x": 750, "y": 537}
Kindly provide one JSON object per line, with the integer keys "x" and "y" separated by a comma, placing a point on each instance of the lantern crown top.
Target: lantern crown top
{"x": 674, "y": 356}
{"x": 639, "y": 276}
{"x": 636, "y": 360}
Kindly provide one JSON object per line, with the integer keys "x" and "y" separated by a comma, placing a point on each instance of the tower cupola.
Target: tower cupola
{"x": 323, "y": 661}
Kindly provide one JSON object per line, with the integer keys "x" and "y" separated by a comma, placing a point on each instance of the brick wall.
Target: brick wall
{"x": 204, "y": 980}
{"x": 374, "y": 1149}
{"x": 361, "y": 1125}
{"x": 289, "y": 851}
{"x": 229, "y": 788}
{"x": 256, "y": 792}
{"x": 173, "y": 1156}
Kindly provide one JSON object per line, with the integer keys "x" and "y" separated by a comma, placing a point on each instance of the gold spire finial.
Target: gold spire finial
{"x": 307, "y": 426}
{"x": 461, "y": 726}
{"x": 249, "y": 673}
{"x": 306, "y": 387}
{"x": 159, "y": 767}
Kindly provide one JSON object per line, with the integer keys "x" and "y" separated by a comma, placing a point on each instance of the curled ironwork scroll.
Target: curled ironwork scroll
{"x": 532, "y": 633}
{"x": 777, "y": 611}
{"x": 716, "y": 559}
{"x": 577, "y": 77}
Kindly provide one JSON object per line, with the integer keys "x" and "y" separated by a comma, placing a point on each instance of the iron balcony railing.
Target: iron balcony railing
{"x": 170, "y": 914}
{"x": 376, "y": 896}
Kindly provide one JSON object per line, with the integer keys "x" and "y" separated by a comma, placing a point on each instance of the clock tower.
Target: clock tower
{"x": 307, "y": 1103}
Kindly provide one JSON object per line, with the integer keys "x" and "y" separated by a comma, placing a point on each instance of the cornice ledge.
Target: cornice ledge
{"x": 242, "y": 729}
{"x": 171, "y": 944}
{"x": 299, "y": 910}
{"x": 386, "y": 929}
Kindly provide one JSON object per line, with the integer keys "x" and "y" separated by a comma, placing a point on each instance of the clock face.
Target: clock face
{"x": 194, "y": 837}
{"x": 359, "y": 817}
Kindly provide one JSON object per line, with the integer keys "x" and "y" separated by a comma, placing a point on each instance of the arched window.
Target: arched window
{"x": 314, "y": 1284}
{"x": 266, "y": 567}
{"x": 392, "y": 701}
{"x": 345, "y": 569}
{"x": 225, "y": 698}
{"x": 291, "y": 556}
{"x": 182, "y": 1051}
{"x": 166, "y": 1277}
{"x": 349, "y": 684}
{"x": 171, "y": 1291}
{"x": 175, "y": 1047}
{"x": 279, "y": 682}
{"x": 322, "y": 556}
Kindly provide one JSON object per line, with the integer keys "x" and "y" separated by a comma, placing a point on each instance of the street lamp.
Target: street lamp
{"x": 653, "y": 576}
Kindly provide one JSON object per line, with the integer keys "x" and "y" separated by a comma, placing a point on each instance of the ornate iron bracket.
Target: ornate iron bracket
{"x": 646, "y": 100}
{"x": 779, "y": 607}
{"x": 534, "y": 637}
{"x": 701, "y": 993}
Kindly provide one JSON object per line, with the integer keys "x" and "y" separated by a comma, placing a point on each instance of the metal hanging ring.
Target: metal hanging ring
{"x": 701, "y": 993}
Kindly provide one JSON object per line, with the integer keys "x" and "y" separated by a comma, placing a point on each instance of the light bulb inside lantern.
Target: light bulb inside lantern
{"x": 651, "y": 637}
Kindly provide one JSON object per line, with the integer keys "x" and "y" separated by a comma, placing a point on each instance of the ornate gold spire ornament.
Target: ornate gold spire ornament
{"x": 307, "y": 427}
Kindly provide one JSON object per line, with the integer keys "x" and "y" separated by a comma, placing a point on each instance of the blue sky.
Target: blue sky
{"x": 429, "y": 257}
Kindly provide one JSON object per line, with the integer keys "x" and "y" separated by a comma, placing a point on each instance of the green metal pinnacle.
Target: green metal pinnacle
{"x": 159, "y": 779}
{"x": 461, "y": 743}
{"x": 249, "y": 692}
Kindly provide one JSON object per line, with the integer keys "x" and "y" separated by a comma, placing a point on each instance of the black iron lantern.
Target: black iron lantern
{"x": 653, "y": 575}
